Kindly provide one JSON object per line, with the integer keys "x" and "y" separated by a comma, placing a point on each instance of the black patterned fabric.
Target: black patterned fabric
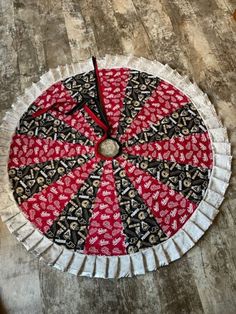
{"x": 186, "y": 179}
{"x": 82, "y": 88}
{"x": 70, "y": 229}
{"x": 31, "y": 179}
{"x": 97, "y": 129}
{"x": 49, "y": 127}
{"x": 182, "y": 122}
{"x": 140, "y": 227}
{"x": 139, "y": 88}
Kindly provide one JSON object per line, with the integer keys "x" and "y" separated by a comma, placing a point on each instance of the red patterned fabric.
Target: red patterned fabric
{"x": 27, "y": 150}
{"x": 105, "y": 234}
{"x": 113, "y": 85}
{"x": 54, "y": 95}
{"x": 193, "y": 150}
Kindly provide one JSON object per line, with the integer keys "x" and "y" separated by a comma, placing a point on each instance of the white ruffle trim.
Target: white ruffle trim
{"x": 145, "y": 260}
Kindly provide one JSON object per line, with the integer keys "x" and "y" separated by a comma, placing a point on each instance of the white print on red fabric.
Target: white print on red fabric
{"x": 193, "y": 149}
{"x": 26, "y": 150}
{"x": 57, "y": 100}
{"x": 113, "y": 85}
{"x": 163, "y": 102}
{"x": 44, "y": 207}
{"x": 171, "y": 209}
{"x": 105, "y": 234}
{"x": 56, "y": 94}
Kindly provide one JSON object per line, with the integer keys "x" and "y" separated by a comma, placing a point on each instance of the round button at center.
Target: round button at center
{"x": 109, "y": 148}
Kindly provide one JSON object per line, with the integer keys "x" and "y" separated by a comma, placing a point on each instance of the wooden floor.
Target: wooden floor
{"x": 197, "y": 37}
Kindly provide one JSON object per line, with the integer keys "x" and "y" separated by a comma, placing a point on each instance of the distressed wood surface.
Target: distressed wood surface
{"x": 196, "y": 37}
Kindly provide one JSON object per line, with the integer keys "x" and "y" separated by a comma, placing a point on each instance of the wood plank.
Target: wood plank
{"x": 80, "y": 34}
{"x": 28, "y": 43}
{"x": 213, "y": 265}
{"x": 136, "y": 295}
{"x": 160, "y": 22}
{"x": 9, "y": 72}
{"x": 177, "y": 289}
{"x": 19, "y": 66}
{"x": 100, "y": 17}
{"x": 55, "y": 39}
{"x": 132, "y": 33}
{"x": 19, "y": 276}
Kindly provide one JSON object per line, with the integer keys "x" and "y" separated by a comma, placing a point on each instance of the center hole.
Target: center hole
{"x": 109, "y": 148}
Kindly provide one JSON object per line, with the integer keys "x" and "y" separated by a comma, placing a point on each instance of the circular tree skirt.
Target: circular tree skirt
{"x": 112, "y": 203}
